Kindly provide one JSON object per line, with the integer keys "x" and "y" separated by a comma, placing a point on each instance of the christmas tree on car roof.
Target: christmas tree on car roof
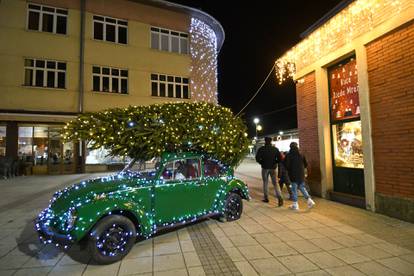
{"x": 144, "y": 132}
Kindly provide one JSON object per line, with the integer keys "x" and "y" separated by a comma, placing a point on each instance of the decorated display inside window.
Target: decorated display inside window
{"x": 343, "y": 81}
{"x": 347, "y": 143}
{"x": 190, "y": 150}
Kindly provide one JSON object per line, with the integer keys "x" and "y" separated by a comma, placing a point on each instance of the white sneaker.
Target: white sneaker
{"x": 311, "y": 203}
{"x": 294, "y": 206}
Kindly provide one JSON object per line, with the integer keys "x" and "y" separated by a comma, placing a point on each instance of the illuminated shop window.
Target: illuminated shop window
{"x": 3, "y": 140}
{"x": 106, "y": 79}
{"x": 45, "y": 73}
{"x": 347, "y": 144}
{"x": 102, "y": 156}
{"x": 47, "y": 19}
{"x": 169, "y": 40}
{"x": 169, "y": 86}
{"x": 110, "y": 29}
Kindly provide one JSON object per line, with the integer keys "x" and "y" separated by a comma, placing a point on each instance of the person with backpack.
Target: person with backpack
{"x": 268, "y": 157}
{"x": 295, "y": 164}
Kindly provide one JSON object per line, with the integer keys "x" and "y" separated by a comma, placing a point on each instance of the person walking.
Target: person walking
{"x": 268, "y": 157}
{"x": 283, "y": 175}
{"x": 295, "y": 164}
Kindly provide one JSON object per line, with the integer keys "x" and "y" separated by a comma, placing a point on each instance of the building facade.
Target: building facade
{"x": 60, "y": 58}
{"x": 354, "y": 73}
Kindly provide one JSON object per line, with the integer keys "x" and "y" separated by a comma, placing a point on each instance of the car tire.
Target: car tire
{"x": 111, "y": 239}
{"x": 233, "y": 207}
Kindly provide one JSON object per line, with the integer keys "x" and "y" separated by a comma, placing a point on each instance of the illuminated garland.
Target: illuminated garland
{"x": 358, "y": 18}
{"x": 144, "y": 132}
{"x": 203, "y": 70}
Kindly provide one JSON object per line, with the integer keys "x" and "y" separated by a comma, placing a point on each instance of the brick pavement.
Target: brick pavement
{"x": 331, "y": 239}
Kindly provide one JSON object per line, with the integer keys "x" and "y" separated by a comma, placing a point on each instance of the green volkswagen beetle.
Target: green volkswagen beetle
{"x": 111, "y": 212}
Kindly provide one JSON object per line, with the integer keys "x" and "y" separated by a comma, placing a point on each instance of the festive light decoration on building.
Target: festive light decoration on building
{"x": 144, "y": 132}
{"x": 203, "y": 71}
{"x": 358, "y": 18}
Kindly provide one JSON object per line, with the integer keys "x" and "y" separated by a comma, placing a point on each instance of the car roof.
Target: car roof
{"x": 177, "y": 155}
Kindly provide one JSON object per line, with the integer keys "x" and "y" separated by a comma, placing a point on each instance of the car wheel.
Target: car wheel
{"x": 111, "y": 239}
{"x": 233, "y": 207}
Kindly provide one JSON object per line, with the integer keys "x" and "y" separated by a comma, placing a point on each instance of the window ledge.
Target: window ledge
{"x": 47, "y": 33}
{"x": 109, "y": 42}
{"x": 168, "y": 52}
{"x": 43, "y": 88}
{"x": 109, "y": 93}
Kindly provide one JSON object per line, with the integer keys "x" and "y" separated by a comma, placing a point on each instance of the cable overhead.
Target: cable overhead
{"x": 257, "y": 92}
{"x": 274, "y": 111}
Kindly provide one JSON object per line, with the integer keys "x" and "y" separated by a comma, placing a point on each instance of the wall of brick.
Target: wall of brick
{"x": 308, "y": 128}
{"x": 391, "y": 82}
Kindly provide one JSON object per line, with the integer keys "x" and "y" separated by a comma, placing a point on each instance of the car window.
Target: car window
{"x": 182, "y": 169}
{"x": 213, "y": 168}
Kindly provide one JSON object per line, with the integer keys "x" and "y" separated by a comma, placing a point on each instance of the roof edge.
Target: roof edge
{"x": 334, "y": 11}
{"x": 207, "y": 18}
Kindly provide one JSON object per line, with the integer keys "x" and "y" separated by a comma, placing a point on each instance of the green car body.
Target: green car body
{"x": 149, "y": 200}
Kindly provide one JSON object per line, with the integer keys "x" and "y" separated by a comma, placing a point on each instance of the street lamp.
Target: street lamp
{"x": 256, "y": 121}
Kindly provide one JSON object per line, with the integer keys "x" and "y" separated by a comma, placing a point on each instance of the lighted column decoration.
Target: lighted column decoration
{"x": 358, "y": 18}
{"x": 203, "y": 49}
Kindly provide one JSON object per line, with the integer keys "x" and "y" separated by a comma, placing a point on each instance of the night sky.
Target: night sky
{"x": 257, "y": 33}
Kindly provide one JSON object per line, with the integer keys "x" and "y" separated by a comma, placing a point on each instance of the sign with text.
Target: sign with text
{"x": 344, "y": 91}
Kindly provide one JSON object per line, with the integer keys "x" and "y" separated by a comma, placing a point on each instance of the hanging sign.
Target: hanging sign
{"x": 344, "y": 91}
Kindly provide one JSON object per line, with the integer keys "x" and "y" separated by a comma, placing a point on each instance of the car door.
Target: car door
{"x": 178, "y": 195}
{"x": 213, "y": 182}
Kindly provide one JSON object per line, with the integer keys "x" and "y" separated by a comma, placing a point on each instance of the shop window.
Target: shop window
{"x": 169, "y": 40}
{"x": 25, "y": 143}
{"x": 3, "y": 137}
{"x": 47, "y": 19}
{"x": 169, "y": 86}
{"x": 40, "y": 145}
{"x": 102, "y": 156}
{"x": 112, "y": 80}
{"x": 45, "y": 73}
{"x": 347, "y": 144}
{"x": 110, "y": 29}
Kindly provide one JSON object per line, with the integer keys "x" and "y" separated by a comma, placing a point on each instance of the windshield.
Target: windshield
{"x": 143, "y": 168}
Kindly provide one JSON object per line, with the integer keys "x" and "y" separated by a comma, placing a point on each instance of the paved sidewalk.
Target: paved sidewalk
{"x": 331, "y": 239}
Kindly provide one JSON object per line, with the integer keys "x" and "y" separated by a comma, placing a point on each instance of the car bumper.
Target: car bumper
{"x": 47, "y": 235}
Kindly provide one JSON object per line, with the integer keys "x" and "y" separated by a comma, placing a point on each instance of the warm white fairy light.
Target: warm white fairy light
{"x": 358, "y": 18}
{"x": 203, "y": 49}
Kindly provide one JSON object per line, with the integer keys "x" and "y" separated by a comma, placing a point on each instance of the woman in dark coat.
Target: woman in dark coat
{"x": 296, "y": 163}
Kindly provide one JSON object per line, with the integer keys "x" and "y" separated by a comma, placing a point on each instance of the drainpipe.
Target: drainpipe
{"x": 81, "y": 55}
{"x": 81, "y": 144}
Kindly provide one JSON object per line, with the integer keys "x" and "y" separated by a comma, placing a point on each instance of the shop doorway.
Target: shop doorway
{"x": 347, "y": 154}
{"x": 43, "y": 150}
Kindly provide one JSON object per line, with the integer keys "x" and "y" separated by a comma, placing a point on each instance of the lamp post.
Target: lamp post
{"x": 256, "y": 121}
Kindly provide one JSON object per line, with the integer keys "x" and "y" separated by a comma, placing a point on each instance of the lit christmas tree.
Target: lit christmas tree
{"x": 144, "y": 132}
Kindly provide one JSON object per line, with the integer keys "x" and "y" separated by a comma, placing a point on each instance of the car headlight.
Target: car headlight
{"x": 70, "y": 219}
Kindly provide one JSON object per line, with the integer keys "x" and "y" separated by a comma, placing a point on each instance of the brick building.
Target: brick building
{"x": 354, "y": 73}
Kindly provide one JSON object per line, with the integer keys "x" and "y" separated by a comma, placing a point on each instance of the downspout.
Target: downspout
{"x": 81, "y": 55}
{"x": 81, "y": 144}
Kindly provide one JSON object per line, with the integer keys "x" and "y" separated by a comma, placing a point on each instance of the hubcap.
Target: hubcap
{"x": 113, "y": 240}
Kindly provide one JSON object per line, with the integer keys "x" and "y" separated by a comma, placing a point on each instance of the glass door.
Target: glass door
{"x": 347, "y": 153}
{"x": 61, "y": 153}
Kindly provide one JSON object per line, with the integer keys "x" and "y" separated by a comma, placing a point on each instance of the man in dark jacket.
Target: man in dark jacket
{"x": 268, "y": 157}
{"x": 296, "y": 163}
